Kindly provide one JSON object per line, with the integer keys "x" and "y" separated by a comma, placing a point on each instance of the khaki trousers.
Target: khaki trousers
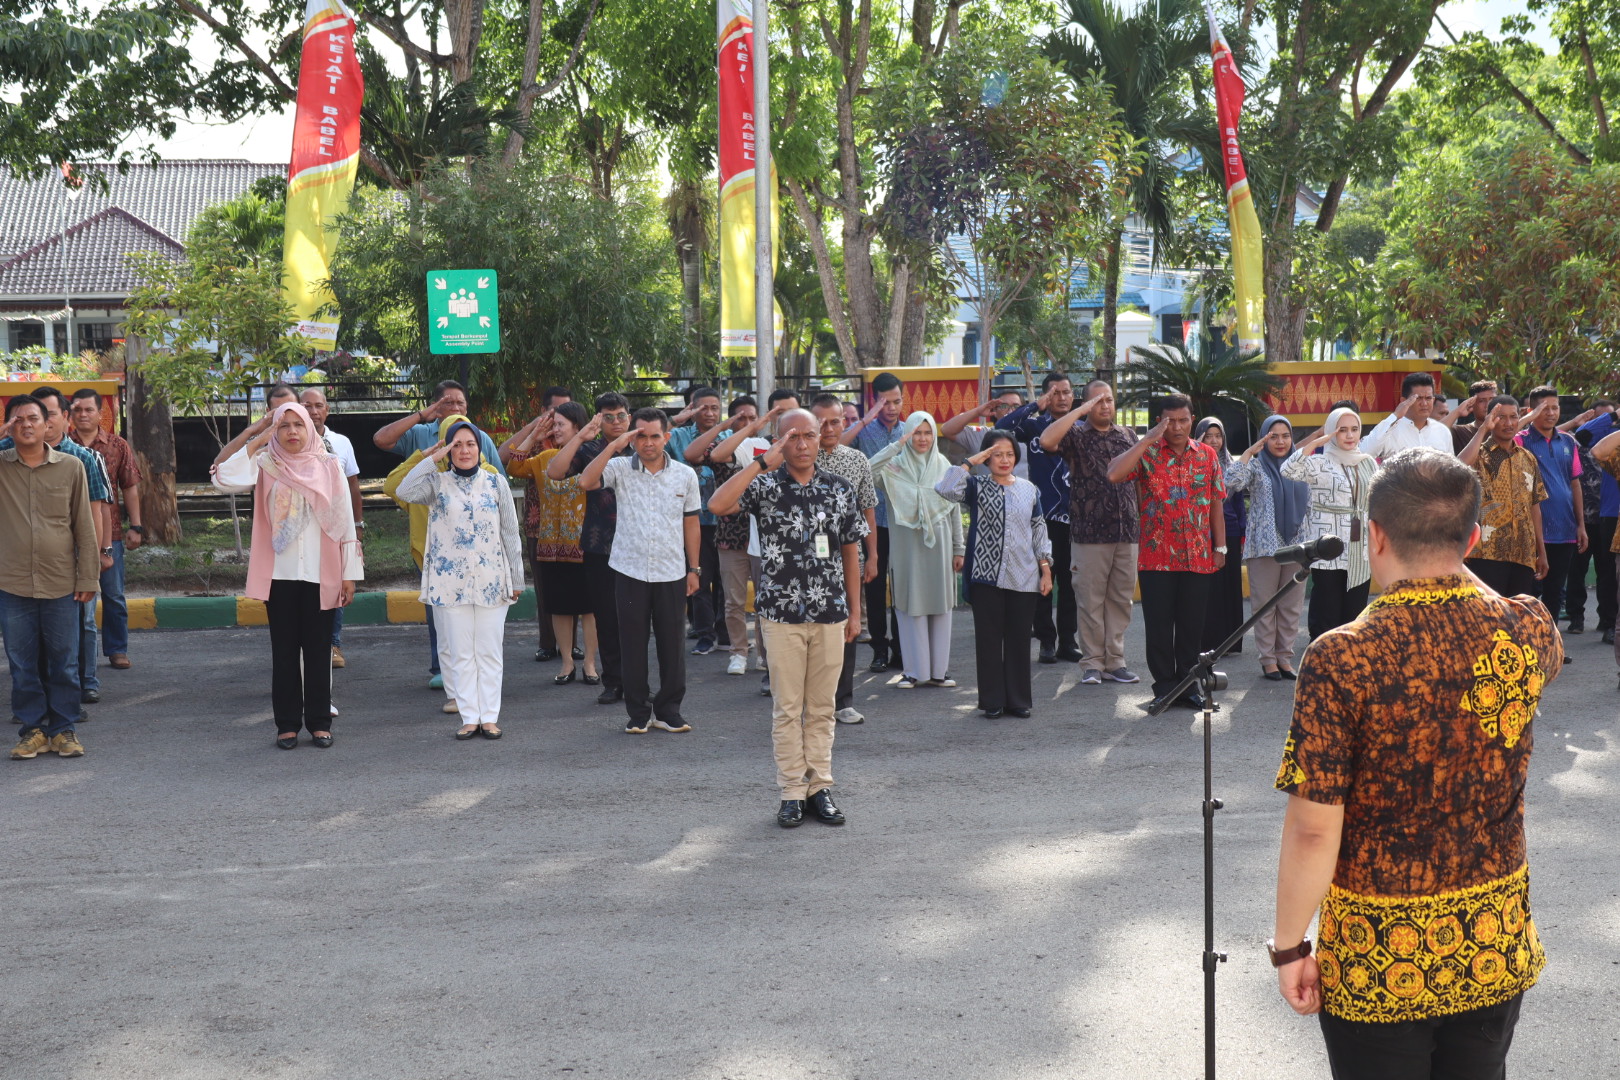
{"x": 1104, "y": 578}
{"x": 734, "y": 574}
{"x": 1277, "y": 629}
{"x": 805, "y": 661}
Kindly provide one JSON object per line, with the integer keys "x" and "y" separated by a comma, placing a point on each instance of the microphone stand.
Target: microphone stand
{"x": 1209, "y": 681}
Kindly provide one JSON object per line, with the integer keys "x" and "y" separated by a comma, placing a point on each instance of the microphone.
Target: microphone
{"x": 1322, "y": 548}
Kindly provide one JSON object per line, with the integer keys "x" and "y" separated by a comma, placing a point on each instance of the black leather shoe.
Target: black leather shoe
{"x": 1274, "y": 675}
{"x": 821, "y": 807}
{"x": 563, "y": 680}
{"x": 609, "y": 696}
{"x": 1071, "y": 656}
{"x": 993, "y": 714}
{"x": 287, "y": 742}
{"x": 1022, "y": 714}
{"x": 1576, "y": 627}
{"x": 791, "y": 815}
{"x": 1608, "y": 637}
{"x": 1048, "y": 656}
{"x": 322, "y": 741}
{"x": 1286, "y": 673}
{"x": 591, "y": 680}
{"x": 578, "y": 653}
{"x": 90, "y": 697}
{"x": 1192, "y": 699}
{"x": 880, "y": 663}
{"x": 542, "y": 655}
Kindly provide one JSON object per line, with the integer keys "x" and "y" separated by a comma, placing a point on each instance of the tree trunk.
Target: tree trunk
{"x": 826, "y": 275}
{"x": 1110, "y": 334}
{"x": 465, "y": 19}
{"x": 987, "y": 352}
{"x": 915, "y": 327}
{"x": 897, "y": 312}
{"x": 151, "y": 436}
{"x": 1285, "y": 316}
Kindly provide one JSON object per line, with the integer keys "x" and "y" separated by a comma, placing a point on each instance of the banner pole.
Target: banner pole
{"x": 764, "y": 285}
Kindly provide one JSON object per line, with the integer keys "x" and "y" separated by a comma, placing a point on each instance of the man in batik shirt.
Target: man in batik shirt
{"x": 1511, "y": 555}
{"x": 1406, "y": 767}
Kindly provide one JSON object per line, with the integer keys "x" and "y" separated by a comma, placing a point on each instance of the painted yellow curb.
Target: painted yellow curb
{"x": 251, "y": 612}
{"x": 404, "y": 607}
{"x": 142, "y": 614}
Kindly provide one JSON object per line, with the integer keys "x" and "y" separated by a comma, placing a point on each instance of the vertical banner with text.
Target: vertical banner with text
{"x": 1248, "y": 265}
{"x": 325, "y": 158}
{"x": 737, "y": 134}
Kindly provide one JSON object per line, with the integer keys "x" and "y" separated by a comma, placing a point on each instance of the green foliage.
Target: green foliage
{"x": 585, "y": 290}
{"x": 1214, "y": 371}
{"x": 29, "y": 363}
{"x": 1517, "y": 256}
{"x": 216, "y": 324}
{"x": 250, "y": 225}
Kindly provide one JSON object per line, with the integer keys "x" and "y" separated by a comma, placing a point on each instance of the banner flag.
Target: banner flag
{"x": 325, "y": 158}
{"x": 1248, "y": 263}
{"x": 737, "y": 130}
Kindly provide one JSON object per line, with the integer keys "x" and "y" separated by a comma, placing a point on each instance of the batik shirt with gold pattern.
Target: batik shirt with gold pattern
{"x": 1512, "y": 485}
{"x": 1416, "y": 718}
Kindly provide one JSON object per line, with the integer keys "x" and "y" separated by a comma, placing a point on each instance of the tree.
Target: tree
{"x": 1004, "y": 177}
{"x": 212, "y": 326}
{"x": 585, "y": 292}
{"x": 77, "y": 79}
{"x": 1517, "y": 258}
{"x": 1145, "y": 59}
{"x": 1213, "y": 372}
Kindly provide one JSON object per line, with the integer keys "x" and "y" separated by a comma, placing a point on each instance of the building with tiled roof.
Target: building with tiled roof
{"x": 62, "y": 254}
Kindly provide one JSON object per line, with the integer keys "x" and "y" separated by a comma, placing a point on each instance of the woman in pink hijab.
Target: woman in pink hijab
{"x": 303, "y": 564}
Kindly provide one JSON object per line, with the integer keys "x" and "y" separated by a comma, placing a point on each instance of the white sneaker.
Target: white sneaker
{"x": 737, "y": 665}
{"x": 451, "y": 707}
{"x": 334, "y": 710}
{"x": 849, "y": 716}
{"x": 760, "y": 664}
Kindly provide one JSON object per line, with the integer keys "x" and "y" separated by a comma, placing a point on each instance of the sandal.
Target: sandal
{"x": 490, "y": 731}
{"x": 467, "y": 732}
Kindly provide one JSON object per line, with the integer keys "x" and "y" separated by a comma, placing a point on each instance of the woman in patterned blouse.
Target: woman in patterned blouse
{"x": 1340, "y": 478}
{"x": 1278, "y": 506}
{"x": 472, "y": 569}
{"x": 1009, "y": 562}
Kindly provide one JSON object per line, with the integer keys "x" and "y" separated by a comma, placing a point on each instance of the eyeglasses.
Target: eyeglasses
{"x": 615, "y": 417}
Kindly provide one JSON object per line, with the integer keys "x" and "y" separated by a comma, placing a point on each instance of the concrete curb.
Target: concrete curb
{"x": 396, "y": 606}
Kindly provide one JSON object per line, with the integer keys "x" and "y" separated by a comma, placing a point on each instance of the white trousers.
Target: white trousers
{"x": 472, "y": 641}
{"x": 925, "y": 644}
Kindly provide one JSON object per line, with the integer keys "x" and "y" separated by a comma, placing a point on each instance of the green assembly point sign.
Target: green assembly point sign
{"x": 462, "y": 313}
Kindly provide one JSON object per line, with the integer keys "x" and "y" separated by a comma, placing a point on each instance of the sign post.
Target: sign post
{"x": 463, "y": 316}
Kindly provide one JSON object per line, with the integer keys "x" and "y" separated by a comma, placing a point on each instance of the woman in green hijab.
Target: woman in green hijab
{"x": 925, "y": 549}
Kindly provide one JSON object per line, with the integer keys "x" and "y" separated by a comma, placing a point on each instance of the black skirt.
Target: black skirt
{"x": 562, "y": 586}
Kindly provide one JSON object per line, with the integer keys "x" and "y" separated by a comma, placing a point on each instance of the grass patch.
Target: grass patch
{"x": 205, "y": 562}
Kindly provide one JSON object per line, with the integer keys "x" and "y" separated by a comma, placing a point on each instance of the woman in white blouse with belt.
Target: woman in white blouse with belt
{"x": 1340, "y": 478}
{"x": 472, "y": 568}
{"x": 303, "y": 563}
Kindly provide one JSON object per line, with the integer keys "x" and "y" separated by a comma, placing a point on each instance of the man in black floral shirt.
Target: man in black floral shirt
{"x": 810, "y": 531}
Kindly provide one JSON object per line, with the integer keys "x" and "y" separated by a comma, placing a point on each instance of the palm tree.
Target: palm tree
{"x": 1214, "y": 375}
{"x": 1142, "y": 57}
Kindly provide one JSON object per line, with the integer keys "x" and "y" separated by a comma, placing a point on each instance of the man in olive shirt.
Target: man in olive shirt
{"x": 48, "y": 565}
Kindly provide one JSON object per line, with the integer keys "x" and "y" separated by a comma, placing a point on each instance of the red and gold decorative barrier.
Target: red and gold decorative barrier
{"x": 1310, "y": 387}
{"x": 940, "y": 391}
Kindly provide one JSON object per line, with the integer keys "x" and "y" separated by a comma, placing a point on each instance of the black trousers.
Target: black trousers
{"x": 1333, "y": 603}
{"x": 880, "y": 620}
{"x": 300, "y": 657}
{"x": 1466, "y": 1046}
{"x": 1608, "y": 596}
{"x": 1003, "y": 622}
{"x": 1598, "y": 538}
{"x": 1507, "y": 578}
{"x": 603, "y": 589}
{"x": 1064, "y": 634}
{"x": 846, "y": 679}
{"x": 548, "y": 636}
{"x": 707, "y": 606}
{"x": 1173, "y": 606}
{"x": 1551, "y": 588}
{"x": 1225, "y": 611}
{"x": 658, "y": 608}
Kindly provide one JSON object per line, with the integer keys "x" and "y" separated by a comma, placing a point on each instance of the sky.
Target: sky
{"x": 268, "y": 138}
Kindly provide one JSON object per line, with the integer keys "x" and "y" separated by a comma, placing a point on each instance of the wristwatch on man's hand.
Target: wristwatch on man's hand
{"x": 1221, "y": 548}
{"x": 1281, "y": 957}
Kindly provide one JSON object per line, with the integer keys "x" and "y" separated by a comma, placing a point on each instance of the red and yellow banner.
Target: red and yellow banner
{"x": 737, "y": 140}
{"x": 1248, "y": 279}
{"x": 325, "y": 158}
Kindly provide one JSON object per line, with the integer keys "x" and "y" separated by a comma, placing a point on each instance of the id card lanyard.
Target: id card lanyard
{"x": 822, "y": 541}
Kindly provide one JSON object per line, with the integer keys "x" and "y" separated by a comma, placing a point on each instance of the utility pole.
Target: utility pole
{"x": 764, "y": 284}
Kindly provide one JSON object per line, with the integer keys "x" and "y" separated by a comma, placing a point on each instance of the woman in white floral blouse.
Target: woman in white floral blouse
{"x": 472, "y": 568}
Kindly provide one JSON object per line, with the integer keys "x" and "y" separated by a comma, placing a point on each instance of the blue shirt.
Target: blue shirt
{"x": 1602, "y": 426}
{"x": 426, "y": 436}
{"x": 1560, "y": 465}
{"x": 871, "y": 440}
{"x": 95, "y": 470}
{"x": 679, "y": 439}
{"x": 1047, "y": 471}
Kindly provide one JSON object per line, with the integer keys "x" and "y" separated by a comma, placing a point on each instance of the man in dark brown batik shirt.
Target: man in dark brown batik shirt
{"x": 1406, "y": 764}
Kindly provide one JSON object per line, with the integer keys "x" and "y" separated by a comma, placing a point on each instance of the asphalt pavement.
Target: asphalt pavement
{"x": 1010, "y": 899}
